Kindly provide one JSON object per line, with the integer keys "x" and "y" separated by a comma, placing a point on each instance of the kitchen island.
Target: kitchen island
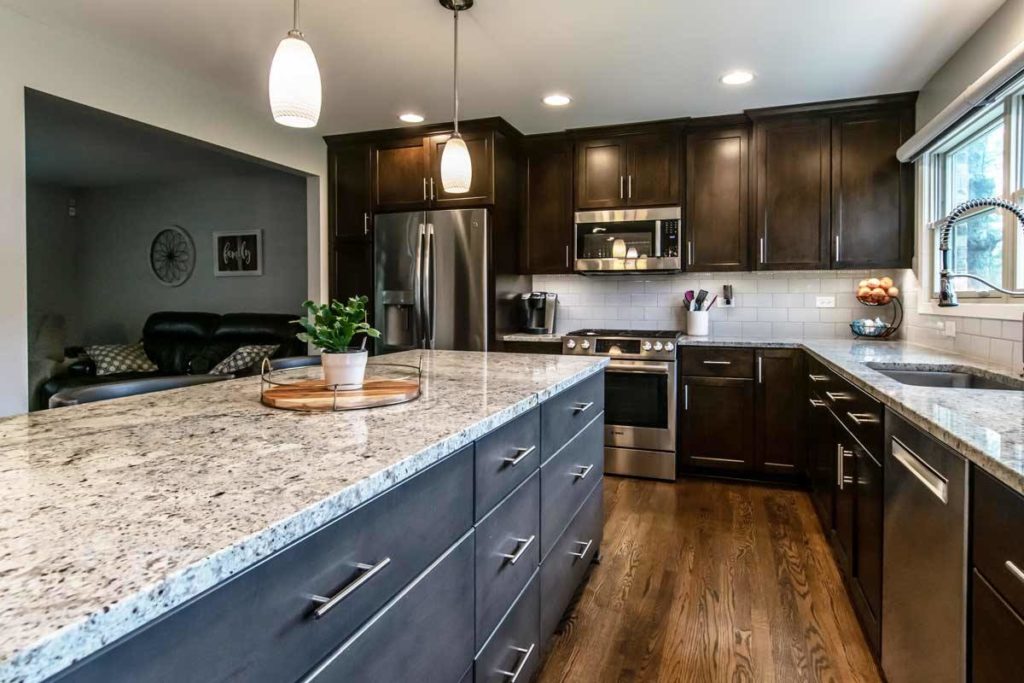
{"x": 118, "y": 514}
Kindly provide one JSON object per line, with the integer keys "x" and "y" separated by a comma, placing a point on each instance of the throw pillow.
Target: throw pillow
{"x": 116, "y": 358}
{"x": 243, "y": 358}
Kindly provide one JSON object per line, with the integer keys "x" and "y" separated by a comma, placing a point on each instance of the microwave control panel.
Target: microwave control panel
{"x": 670, "y": 238}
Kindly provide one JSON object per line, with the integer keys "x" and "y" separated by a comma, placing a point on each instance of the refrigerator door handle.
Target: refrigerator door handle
{"x": 430, "y": 281}
{"x": 420, "y": 294}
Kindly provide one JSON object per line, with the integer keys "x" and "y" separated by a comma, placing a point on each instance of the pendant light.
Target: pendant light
{"x": 456, "y": 167}
{"x": 295, "y": 80}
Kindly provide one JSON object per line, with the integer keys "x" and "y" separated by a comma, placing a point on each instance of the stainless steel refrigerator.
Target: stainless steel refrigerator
{"x": 431, "y": 280}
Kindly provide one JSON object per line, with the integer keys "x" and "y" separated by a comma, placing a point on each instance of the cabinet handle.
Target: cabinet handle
{"x": 837, "y": 396}
{"x": 1015, "y": 570}
{"x": 567, "y": 256}
{"x": 424, "y": 189}
{"x": 761, "y": 250}
{"x": 839, "y": 466}
{"x": 760, "y": 370}
{"x": 512, "y": 558}
{"x": 432, "y": 195}
{"x": 369, "y": 571}
{"x": 817, "y": 403}
{"x": 629, "y": 186}
{"x": 513, "y": 676}
{"x": 584, "y": 471}
{"x": 862, "y": 418}
{"x": 717, "y": 362}
{"x": 580, "y": 407}
{"x": 586, "y": 548}
{"x": 818, "y": 378}
{"x": 936, "y": 484}
{"x": 518, "y": 457}
{"x": 686, "y": 397}
{"x": 366, "y": 223}
{"x": 621, "y": 180}
{"x": 837, "y": 248}
{"x": 689, "y": 252}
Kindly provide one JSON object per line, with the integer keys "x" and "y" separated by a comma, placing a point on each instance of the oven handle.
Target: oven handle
{"x": 640, "y": 369}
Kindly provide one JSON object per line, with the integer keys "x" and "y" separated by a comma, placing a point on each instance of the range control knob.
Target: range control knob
{"x": 669, "y": 346}
{"x": 647, "y": 346}
{"x": 570, "y": 344}
{"x": 657, "y": 346}
{"x": 585, "y": 344}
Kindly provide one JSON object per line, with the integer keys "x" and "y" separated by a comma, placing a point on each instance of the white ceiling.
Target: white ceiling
{"x": 620, "y": 60}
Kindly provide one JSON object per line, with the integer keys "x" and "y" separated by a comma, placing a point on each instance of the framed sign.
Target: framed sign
{"x": 238, "y": 252}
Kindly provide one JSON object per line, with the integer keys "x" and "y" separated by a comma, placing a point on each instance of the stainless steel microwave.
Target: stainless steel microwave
{"x": 622, "y": 241}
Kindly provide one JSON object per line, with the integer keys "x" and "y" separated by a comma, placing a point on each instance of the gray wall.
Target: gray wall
{"x": 1003, "y": 31}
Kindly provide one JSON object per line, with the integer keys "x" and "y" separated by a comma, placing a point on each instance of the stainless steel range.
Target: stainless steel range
{"x": 640, "y": 398}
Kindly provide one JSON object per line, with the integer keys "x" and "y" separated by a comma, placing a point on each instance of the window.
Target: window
{"x": 978, "y": 160}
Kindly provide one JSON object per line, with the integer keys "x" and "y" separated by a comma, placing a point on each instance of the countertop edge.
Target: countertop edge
{"x": 82, "y": 639}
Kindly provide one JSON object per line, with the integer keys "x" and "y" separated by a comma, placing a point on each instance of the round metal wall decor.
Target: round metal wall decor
{"x": 172, "y": 256}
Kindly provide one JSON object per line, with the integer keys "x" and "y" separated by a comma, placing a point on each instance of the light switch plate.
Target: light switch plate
{"x": 825, "y": 302}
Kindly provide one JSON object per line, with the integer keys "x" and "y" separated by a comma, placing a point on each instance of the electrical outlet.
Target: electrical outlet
{"x": 825, "y": 302}
{"x": 722, "y": 303}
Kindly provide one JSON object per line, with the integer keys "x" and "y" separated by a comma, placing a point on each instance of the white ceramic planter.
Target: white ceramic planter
{"x": 697, "y": 323}
{"x": 344, "y": 370}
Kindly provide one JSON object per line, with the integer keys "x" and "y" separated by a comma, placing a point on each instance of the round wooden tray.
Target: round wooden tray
{"x": 303, "y": 389}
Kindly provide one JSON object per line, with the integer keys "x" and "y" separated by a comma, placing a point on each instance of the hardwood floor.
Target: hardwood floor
{"x": 710, "y": 581}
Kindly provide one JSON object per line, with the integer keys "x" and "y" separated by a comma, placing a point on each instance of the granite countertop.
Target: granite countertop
{"x": 986, "y": 426}
{"x": 113, "y": 513}
{"x": 527, "y": 337}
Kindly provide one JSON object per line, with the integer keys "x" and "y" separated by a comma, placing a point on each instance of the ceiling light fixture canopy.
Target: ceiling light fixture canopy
{"x": 738, "y": 77}
{"x": 456, "y": 166}
{"x": 295, "y": 92}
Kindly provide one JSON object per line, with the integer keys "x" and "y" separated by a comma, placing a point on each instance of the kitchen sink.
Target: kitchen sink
{"x": 946, "y": 376}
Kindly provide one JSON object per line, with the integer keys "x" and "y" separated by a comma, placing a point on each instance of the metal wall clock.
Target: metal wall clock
{"x": 172, "y": 256}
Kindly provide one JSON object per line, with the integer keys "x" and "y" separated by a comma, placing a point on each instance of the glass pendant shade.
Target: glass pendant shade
{"x": 295, "y": 92}
{"x": 456, "y": 168}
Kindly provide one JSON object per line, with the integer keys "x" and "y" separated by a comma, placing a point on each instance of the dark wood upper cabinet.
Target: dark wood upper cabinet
{"x": 601, "y": 173}
{"x": 792, "y": 202}
{"x": 401, "y": 172}
{"x": 351, "y": 203}
{"x": 547, "y": 221}
{"x": 481, "y": 188}
{"x": 780, "y": 411}
{"x": 639, "y": 170}
{"x": 872, "y": 192}
{"x": 717, "y": 212}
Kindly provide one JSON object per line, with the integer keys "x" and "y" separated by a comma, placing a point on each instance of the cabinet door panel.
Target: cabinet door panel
{"x": 717, "y": 213}
{"x": 351, "y": 270}
{"x": 349, "y": 192}
{"x": 868, "y": 569}
{"x": 872, "y": 192}
{"x": 792, "y": 179}
{"x": 821, "y": 457}
{"x": 547, "y": 206}
{"x": 399, "y": 174}
{"x": 717, "y": 419}
{"x": 780, "y": 411}
{"x": 652, "y": 170}
{"x": 600, "y": 174}
{"x": 845, "y": 506}
{"x": 997, "y": 632}
{"x": 481, "y": 187}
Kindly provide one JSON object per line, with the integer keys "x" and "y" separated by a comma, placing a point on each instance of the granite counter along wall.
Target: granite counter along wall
{"x": 768, "y": 304}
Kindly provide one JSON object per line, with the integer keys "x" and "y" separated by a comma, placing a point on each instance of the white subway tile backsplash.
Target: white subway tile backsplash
{"x": 803, "y": 315}
{"x": 788, "y": 330}
{"x": 756, "y": 329}
{"x": 772, "y": 315}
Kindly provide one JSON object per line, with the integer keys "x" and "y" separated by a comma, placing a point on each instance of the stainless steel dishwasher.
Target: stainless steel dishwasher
{"x": 924, "y": 585}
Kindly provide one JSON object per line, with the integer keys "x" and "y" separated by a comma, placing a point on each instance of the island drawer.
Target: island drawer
{"x": 566, "y": 479}
{"x": 261, "y": 625}
{"x": 713, "y": 361}
{"x": 507, "y": 552}
{"x": 424, "y": 634}
{"x": 562, "y": 570}
{"x": 563, "y": 415}
{"x": 515, "y": 650}
{"x": 505, "y": 458}
{"x": 998, "y": 526}
{"x": 996, "y": 636}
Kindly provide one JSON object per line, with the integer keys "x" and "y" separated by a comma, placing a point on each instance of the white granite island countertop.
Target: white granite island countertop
{"x": 114, "y": 513}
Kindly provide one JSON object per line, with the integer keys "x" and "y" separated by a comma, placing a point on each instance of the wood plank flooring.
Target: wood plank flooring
{"x": 710, "y": 581}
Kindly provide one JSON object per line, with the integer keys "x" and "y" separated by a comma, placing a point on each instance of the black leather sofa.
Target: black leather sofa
{"x": 181, "y": 344}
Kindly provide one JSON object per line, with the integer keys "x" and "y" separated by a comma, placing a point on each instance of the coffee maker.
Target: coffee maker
{"x": 538, "y": 312}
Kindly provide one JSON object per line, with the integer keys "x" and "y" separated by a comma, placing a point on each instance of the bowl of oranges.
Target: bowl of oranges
{"x": 877, "y": 291}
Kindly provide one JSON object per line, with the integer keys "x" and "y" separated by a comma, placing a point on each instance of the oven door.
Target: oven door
{"x": 640, "y": 405}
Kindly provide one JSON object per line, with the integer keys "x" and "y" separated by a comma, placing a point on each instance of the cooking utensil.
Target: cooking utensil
{"x": 688, "y": 299}
{"x": 699, "y": 301}
{"x": 711, "y": 304}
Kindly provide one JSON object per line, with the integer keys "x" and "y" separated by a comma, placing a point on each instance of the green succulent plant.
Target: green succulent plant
{"x": 331, "y": 327}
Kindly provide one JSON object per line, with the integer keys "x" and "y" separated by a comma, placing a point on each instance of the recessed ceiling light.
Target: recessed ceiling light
{"x": 737, "y": 78}
{"x": 557, "y": 100}
{"x": 411, "y": 118}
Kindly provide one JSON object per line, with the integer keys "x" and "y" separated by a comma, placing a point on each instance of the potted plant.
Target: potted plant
{"x": 330, "y": 328}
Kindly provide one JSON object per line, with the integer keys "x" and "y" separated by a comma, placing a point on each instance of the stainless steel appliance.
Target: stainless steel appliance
{"x": 640, "y": 398}
{"x": 538, "y": 309}
{"x": 628, "y": 240}
{"x": 431, "y": 280}
{"x": 924, "y": 558}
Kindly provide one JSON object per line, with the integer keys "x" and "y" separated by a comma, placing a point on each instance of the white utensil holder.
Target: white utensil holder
{"x": 697, "y": 323}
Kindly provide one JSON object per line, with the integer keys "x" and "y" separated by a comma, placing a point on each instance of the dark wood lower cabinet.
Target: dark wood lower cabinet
{"x": 821, "y": 459}
{"x": 997, "y": 633}
{"x": 867, "y": 573}
{"x": 716, "y": 422}
{"x": 780, "y": 411}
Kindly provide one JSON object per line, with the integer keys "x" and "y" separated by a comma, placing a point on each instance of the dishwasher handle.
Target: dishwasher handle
{"x": 932, "y": 480}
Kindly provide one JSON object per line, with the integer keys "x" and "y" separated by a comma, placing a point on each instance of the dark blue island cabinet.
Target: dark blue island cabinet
{"x": 458, "y": 574}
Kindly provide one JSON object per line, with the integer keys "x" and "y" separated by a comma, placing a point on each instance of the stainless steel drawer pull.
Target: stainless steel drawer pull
{"x": 424, "y": 189}
{"x": 817, "y": 403}
{"x": 862, "y": 418}
{"x": 523, "y": 544}
{"x": 369, "y": 571}
{"x": 526, "y": 652}
{"x": 837, "y": 396}
{"x": 580, "y": 407}
{"x": 518, "y": 457}
{"x": 818, "y": 378}
{"x": 584, "y": 471}
{"x": 839, "y": 466}
{"x": 717, "y": 362}
{"x": 1015, "y": 570}
{"x": 586, "y": 548}
{"x": 932, "y": 480}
